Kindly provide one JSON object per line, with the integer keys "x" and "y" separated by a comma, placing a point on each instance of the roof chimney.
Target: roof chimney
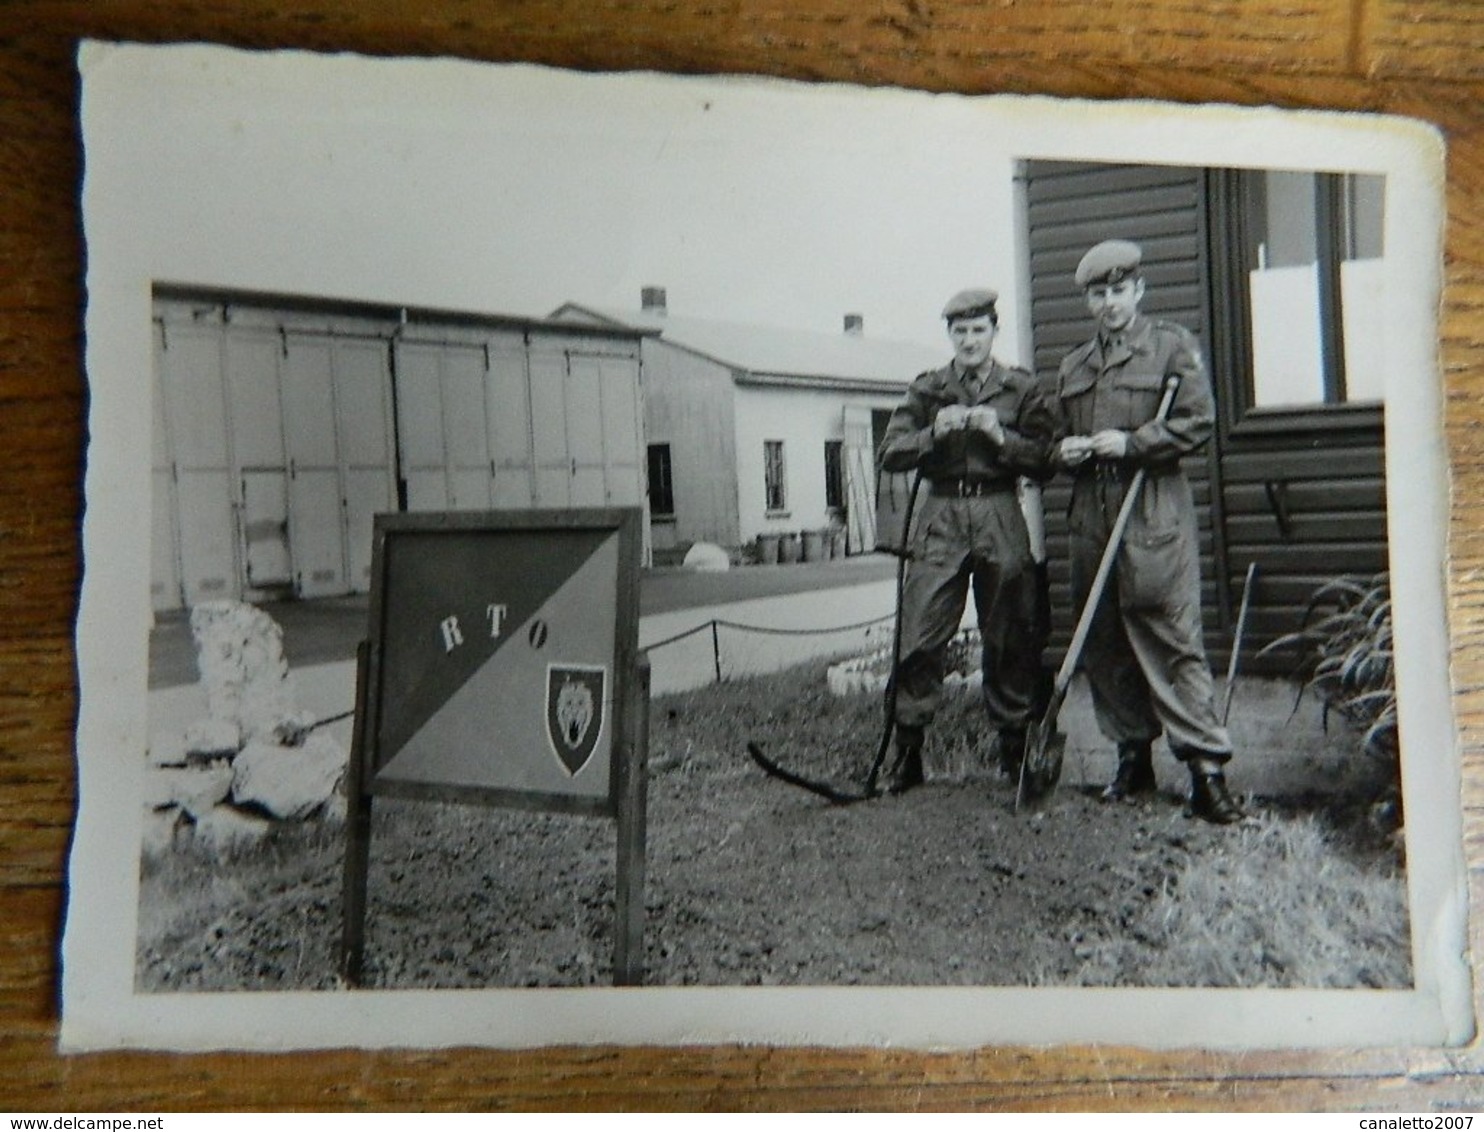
{"x": 652, "y": 300}
{"x": 855, "y": 324}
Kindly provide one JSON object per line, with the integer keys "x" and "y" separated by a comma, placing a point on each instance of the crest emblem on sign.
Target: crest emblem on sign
{"x": 574, "y": 712}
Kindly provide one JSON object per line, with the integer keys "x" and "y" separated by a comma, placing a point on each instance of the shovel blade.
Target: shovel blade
{"x": 1040, "y": 770}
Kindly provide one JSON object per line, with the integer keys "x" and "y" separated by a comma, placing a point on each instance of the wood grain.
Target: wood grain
{"x": 1424, "y": 59}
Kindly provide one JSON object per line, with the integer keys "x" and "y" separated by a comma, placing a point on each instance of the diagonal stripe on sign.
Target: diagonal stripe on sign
{"x": 491, "y": 731}
{"x": 453, "y": 600}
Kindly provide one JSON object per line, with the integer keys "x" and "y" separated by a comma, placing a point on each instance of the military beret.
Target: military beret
{"x": 1109, "y": 262}
{"x": 971, "y": 303}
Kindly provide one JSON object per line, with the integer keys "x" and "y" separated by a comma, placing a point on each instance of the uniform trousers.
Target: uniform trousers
{"x": 959, "y": 543}
{"x": 1145, "y": 658}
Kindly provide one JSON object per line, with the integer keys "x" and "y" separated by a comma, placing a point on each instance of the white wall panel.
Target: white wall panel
{"x": 256, "y": 414}
{"x": 419, "y": 408}
{"x": 552, "y": 461}
{"x": 286, "y": 417}
{"x": 196, "y": 423}
{"x": 315, "y": 522}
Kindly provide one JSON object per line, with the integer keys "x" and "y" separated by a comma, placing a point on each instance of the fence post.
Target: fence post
{"x": 716, "y": 649}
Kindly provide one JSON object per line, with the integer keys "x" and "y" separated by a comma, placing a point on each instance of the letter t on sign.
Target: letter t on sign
{"x": 452, "y": 638}
{"x": 496, "y": 614}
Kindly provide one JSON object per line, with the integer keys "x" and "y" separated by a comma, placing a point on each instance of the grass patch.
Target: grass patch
{"x": 751, "y": 881}
{"x": 803, "y": 726}
{"x": 268, "y": 914}
{"x": 1279, "y": 904}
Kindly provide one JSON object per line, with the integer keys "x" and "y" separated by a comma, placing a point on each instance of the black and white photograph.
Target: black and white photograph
{"x": 638, "y": 558}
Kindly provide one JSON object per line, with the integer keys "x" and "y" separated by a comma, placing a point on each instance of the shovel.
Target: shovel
{"x": 1040, "y": 769}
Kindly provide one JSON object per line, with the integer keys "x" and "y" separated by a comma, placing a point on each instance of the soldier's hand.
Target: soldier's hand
{"x": 987, "y": 421}
{"x": 1110, "y": 444}
{"x": 950, "y": 418}
{"x": 1074, "y": 450}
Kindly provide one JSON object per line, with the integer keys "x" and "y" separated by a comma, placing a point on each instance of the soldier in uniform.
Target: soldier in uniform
{"x": 971, "y": 428}
{"x": 1145, "y": 659}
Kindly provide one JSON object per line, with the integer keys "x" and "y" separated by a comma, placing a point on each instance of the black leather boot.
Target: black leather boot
{"x": 1209, "y": 799}
{"x": 1010, "y": 753}
{"x": 1135, "y": 774}
{"x": 906, "y": 769}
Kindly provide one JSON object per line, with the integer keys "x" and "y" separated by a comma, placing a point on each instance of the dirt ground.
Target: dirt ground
{"x": 749, "y": 881}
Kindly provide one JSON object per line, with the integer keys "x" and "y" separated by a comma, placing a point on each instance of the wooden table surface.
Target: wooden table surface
{"x": 1423, "y": 59}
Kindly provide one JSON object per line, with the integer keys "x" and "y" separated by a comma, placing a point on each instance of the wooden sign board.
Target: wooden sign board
{"x": 502, "y": 668}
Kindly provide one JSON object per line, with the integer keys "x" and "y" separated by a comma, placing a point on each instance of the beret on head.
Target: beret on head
{"x": 1109, "y": 262}
{"x": 971, "y": 303}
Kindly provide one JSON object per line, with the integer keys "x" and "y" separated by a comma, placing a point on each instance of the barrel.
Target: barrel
{"x": 813, "y": 546}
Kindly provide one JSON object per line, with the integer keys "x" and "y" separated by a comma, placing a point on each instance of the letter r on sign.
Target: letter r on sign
{"x": 452, "y": 638}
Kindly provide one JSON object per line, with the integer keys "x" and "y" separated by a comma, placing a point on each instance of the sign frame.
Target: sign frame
{"x": 625, "y": 799}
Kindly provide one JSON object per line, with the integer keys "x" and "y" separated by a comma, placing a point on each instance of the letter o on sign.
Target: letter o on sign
{"x": 537, "y": 633}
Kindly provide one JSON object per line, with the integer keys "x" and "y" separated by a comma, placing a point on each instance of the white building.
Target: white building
{"x": 757, "y": 430}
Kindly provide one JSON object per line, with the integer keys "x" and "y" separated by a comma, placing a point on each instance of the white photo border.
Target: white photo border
{"x": 123, "y": 83}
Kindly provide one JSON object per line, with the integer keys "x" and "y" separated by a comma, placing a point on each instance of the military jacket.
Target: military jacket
{"x": 1025, "y": 411}
{"x": 1119, "y": 386}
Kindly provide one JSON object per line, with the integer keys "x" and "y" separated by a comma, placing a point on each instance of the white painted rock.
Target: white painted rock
{"x": 707, "y": 556}
{"x": 195, "y": 790}
{"x": 290, "y": 783}
{"x": 858, "y": 674}
{"x": 163, "y": 754}
{"x": 225, "y": 829}
{"x": 291, "y": 730}
{"x": 239, "y": 653}
{"x": 210, "y": 738}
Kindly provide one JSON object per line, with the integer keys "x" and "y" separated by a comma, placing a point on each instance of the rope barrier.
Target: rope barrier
{"x": 711, "y": 625}
{"x": 808, "y": 632}
{"x": 765, "y": 630}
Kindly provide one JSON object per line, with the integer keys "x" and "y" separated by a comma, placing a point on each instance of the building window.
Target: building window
{"x": 834, "y": 474}
{"x": 661, "y": 483}
{"x": 773, "y": 493}
{"x": 1308, "y": 283}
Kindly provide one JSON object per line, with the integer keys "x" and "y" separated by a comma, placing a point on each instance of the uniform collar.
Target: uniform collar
{"x": 990, "y": 383}
{"x": 1120, "y": 347}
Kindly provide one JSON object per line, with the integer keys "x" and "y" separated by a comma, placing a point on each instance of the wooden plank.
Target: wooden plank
{"x": 1052, "y": 185}
{"x": 1425, "y": 38}
{"x": 1151, "y": 205}
{"x": 1363, "y": 558}
{"x": 356, "y": 868}
{"x": 1337, "y": 461}
{"x": 1289, "y": 590}
{"x": 1060, "y": 263}
{"x": 1307, "y": 527}
{"x": 1364, "y": 493}
{"x": 1084, "y": 232}
{"x": 633, "y": 794}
